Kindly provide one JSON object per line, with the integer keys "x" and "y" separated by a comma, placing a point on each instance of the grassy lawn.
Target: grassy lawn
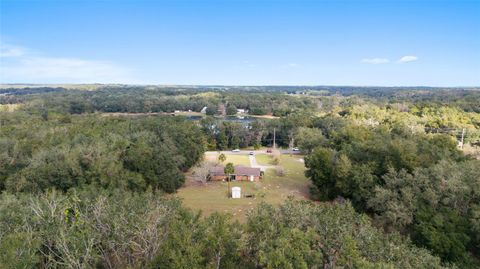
{"x": 191, "y": 113}
{"x": 263, "y": 159}
{"x": 272, "y": 189}
{"x": 238, "y": 159}
{"x": 231, "y": 158}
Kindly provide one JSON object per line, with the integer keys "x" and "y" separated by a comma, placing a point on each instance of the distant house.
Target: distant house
{"x": 241, "y": 173}
{"x": 241, "y": 111}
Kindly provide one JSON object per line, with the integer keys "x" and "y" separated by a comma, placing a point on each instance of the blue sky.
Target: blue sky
{"x": 403, "y": 43}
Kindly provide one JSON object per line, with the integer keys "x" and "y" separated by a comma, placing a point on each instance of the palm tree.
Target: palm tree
{"x": 229, "y": 170}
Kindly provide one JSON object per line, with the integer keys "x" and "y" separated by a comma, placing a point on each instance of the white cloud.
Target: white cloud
{"x": 290, "y": 65}
{"x": 375, "y": 60}
{"x": 408, "y": 59}
{"x": 20, "y": 66}
{"x": 249, "y": 64}
{"x": 11, "y": 51}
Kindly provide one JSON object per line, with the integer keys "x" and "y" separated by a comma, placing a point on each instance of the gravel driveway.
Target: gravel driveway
{"x": 254, "y": 164}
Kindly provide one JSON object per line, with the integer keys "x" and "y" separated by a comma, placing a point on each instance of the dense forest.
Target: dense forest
{"x": 114, "y": 229}
{"x": 67, "y": 152}
{"x": 394, "y": 172}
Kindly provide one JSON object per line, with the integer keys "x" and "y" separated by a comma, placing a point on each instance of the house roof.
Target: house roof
{"x": 239, "y": 170}
{"x": 247, "y": 171}
{"x": 217, "y": 171}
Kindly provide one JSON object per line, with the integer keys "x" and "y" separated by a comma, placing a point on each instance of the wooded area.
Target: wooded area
{"x": 81, "y": 189}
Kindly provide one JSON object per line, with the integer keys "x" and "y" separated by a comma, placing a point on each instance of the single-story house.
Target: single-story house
{"x": 241, "y": 173}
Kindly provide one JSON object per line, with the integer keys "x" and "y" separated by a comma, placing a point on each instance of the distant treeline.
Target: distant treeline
{"x": 257, "y": 99}
{"x": 24, "y": 91}
{"x": 141, "y": 100}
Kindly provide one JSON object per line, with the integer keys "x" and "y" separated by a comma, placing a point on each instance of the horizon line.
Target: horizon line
{"x": 230, "y": 85}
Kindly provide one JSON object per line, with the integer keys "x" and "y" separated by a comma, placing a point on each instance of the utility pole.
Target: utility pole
{"x": 274, "y": 146}
{"x": 228, "y": 187}
{"x": 463, "y": 135}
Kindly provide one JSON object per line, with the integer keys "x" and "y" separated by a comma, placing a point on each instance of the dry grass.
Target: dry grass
{"x": 9, "y": 107}
{"x": 473, "y": 151}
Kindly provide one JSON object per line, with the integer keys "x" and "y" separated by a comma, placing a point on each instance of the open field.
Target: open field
{"x": 213, "y": 197}
{"x": 181, "y": 113}
{"x": 236, "y": 159}
{"x": 264, "y": 159}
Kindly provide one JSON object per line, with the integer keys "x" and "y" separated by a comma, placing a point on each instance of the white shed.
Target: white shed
{"x": 236, "y": 192}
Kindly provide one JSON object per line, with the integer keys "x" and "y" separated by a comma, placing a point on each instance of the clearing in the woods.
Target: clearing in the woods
{"x": 272, "y": 188}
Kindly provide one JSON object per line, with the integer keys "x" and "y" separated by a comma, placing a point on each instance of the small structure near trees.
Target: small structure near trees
{"x": 236, "y": 192}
